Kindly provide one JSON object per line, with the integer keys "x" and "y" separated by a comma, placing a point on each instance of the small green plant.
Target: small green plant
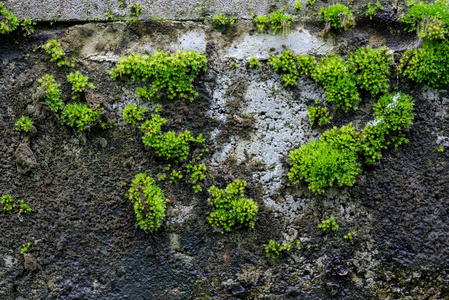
{"x": 6, "y": 200}
{"x": 133, "y": 113}
{"x": 371, "y": 68}
{"x": 441, "y": 148}
{"x": 149, "y": 202}
{"x": 161, "y": 177}
{"x": 254, "y": 62}
{"x": 372, "y": 9}
{"x": 298, "y": 4}
{"x": 428, "y": 64}
{"x": 349, "y": 236}
{"x": 168, "y": 145}
{"x": 24, "y": 124}
{"x": 231, "y": 207}
{"x": 197, "y": 172}
{"x": 79, "y": 83}
{"x": 172, "y": 75}
{"x": 322, "y": 165}
{"x": 8, "y": 20}
{"x": 273, "y": 249}
{"x": 280, "y": 21}
{"x": 393, "y": 115}
{"x": 430, "y": 20}
{"x": 135, "y": 10}
{"x": 285, "y": 65}
{"x": 262, "y": 22}
{"x": 27, "y": 26}
{"x": 338, "y": 16}
{"x": 82, "y": 117}
{"x": 329, "y": 224}
{"x": 318, "y": 115}
{"x": 24, "y": 208}
{"x": 25, "y": 248}
{"x": 57, "y": 54}
{"x": 306, "y": 64}
{"x": 175, "y": 176}
{"x": 221, "y": 21}
{"x": 339, "y": 84}
{"x": 197, "y": 188}
{"x": 158, "y": 108}
{"x": 50, "y": 91}
{"x": 234, "y": 65}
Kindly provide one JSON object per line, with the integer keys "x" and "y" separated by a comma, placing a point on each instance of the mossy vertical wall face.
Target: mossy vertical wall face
{"x": 84, "y": 242}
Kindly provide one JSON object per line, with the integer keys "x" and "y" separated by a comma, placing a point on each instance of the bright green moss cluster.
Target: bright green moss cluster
{"x": 254, "y": 62}
{"x": 8, "y": 20}
{"x": 231, "y": 207}
{"x": 171, "y": 75}
{"x": 428, "y": 64}
{"x": 149, "y": 202}
{"x": 339, "y": 84}
{"x": 393, "y": 114}
{"x": 338, "y": 16}
{"x": 7, "y": 202}
{"x": 329, "y": 224}
{"x": 135, "y": 10}
{"x": 322, "y": 165}
{"x": 81, "y": 116}
{"x": 57, "y": 53}
{"x": 79, "y": 82}
{"x": 221, "y": 20}
{"x": 278, "y": 21}
{"x": 51, "y": 92}
{"x": 285, "y": 65}
{"x": 133, "y": 113}
{"x": 333, "y": 160}
{"x": 370, "y": 68}
{"x": 318, "y": 115}
{"x": 24, "y": 124}
{"x": 430, "y": 20}
{"x": 273, "y": 249}
{"x": 168, "y": 144}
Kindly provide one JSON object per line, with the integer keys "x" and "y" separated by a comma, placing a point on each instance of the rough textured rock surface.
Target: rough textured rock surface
{"x": 84, "y": 244}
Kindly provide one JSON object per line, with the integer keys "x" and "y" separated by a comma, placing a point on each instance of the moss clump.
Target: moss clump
{"x": 50, "y": 91}
{"x": 430, "y": 20}
{"x": 149, "y": 202}
{"x": 167, "y": 74}
{"x": 24, "y": 124}
{"x": 133, "y": 113}
{"x": 8, "y": 20}
{"x": 370, "y": 68}
{"x": 278, "y": 21}
{"x": 338, "y": 81}
{"x": 54, "y": 48}
{"x": 168, "y": 144}
{"x": 79, "y": 83}
{"x": 428, "y": 64}
{"x": 231, "y": 207}
{"x": 318, "y": 115}
{"x": 338, "y": 16}
{"x": 81, "y": 116}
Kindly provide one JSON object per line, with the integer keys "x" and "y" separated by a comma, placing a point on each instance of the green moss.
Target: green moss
{"x": 318, "y": 115}
{"x": 285, "y": 65}
{"x": 149, "y": 202}
{"x": 170, "y": 75}
{"x": 274, "y": 249}
{"x": 254, "y": 62}
{"x": 221, "y": 21}
{"x": 133, "y": 113}
{"x": 339, "y": 84}
{"x": 329, "y": 224}
{"x": 81, "y": 116}
{"x": 372, "y": 9}
{"x": 338, "y": 16}
{"x": 79, "y": 82}
{"x": 51, "y": 92}
{"x": 323, "y": 165}
{"x": 428, "y": 64}
{"x": 370, "y": 68}
{"x": 57, "y": 54}
{"x": 430, "y": 20}
{"x": 231, "y": 207}
{"x": 278, "y": 21}
{"x": 24, "y": 124}
{"x": 168, "y": 144}
{"x": 6, "y": 200}
{"x": 8, "y": 20}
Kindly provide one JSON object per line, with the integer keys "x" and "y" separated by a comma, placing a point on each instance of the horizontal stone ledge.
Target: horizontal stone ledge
{"x": 105, "y": 10}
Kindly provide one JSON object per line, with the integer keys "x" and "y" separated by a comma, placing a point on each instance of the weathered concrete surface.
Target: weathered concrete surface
{"x": 76, "y": 10}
